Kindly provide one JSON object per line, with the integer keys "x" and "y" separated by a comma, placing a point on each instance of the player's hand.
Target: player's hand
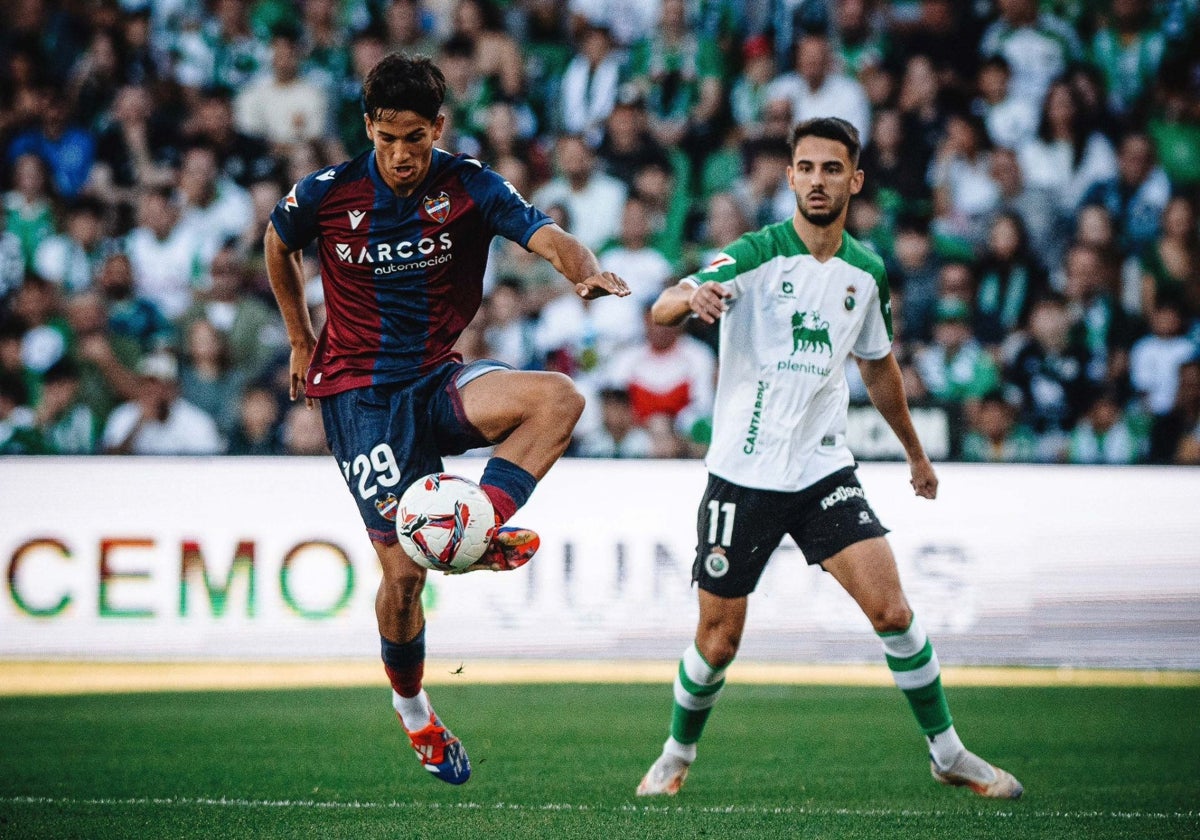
{"x": 924, "y": 480}
{"x": 599, "y": 285}
{"x": 300, "y": 358}
{"x": 708, "y": 301}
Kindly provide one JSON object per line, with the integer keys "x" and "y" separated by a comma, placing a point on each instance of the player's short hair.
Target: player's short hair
{"x": 829, "y": 128}
{"x": 401, "y": 82}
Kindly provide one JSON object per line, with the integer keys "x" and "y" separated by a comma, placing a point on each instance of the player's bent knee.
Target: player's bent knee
{"x": 562, "y": 397}
{"x": 890, "y": 618}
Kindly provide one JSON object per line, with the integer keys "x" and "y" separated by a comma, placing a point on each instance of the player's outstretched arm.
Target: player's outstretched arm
{"x": 576, "y": 262}
{"x": 886, "y": 389}
{"x": 285, "y": 271}
{"x": 676, "y": 304}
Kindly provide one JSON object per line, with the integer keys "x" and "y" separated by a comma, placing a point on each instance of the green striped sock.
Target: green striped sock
{"x": 697, "y": 687}
{"x": 914, "y": 666}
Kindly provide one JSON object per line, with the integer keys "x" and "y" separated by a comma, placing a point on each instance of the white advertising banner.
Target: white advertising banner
{"x": 192, "y": 558}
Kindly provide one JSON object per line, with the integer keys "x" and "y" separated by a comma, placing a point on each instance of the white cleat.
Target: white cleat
{"x": 665, "y": 776}
{"x": 969, "y": 770}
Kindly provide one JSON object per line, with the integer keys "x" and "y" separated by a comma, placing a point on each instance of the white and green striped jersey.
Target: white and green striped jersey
{"x": 780, "y": 417}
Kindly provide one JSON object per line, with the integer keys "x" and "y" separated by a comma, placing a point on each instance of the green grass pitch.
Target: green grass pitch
{"x": 562, "y": 761}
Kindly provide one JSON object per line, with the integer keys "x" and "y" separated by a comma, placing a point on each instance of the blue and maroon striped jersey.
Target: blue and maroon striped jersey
{"x": 403, "y": 276}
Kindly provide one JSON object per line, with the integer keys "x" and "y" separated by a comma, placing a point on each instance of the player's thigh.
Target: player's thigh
{"x": 381, "y": 438}
{"x": 867, "y": 571}
{"x": 495, "y": 399}
{"x": 737, "y": 530}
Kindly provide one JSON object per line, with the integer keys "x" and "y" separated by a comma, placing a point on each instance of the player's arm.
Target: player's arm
{"x": 886, "y": 388}
{"x": 285, "y": 271}
{"x": 679, "y": 302}
{"x": 575, "y": 261}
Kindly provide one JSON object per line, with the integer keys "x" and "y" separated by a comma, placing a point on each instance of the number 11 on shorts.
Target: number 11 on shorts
{"x": 717, "y": 509}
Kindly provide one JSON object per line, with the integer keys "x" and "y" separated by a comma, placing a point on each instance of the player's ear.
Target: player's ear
{"x": 370, "y": 127}
{"x": 856, "y": 182}
{"x": 439, "y": 125}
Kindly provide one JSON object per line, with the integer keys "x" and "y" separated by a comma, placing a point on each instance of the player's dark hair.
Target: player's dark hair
{"x": 829, "y": 128}
{"x": 404, "y": 83}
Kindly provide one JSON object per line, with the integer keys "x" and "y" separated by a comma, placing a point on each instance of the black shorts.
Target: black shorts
{"x": 738, "y": 528}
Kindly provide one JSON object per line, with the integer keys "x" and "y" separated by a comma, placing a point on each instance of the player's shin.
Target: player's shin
{"x": 404, "y": 663}
{"x": 697, "y": 687}
{"x": 914, "y": 666}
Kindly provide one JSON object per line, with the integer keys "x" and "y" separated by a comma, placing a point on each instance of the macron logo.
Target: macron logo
{"x": 290, "y": 201}
{"x": 356, "y": 217}
{"x": 343, "y": 252}
{"x": 327, "y": 175}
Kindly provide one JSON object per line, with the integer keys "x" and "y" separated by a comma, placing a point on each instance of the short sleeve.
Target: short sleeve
{"x": 875, "y": 339}
{"x": 295, "y": 216}
{"x": 504, "y": 209}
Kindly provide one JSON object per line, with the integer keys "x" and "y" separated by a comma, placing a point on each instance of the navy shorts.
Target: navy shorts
{"x": 385, "y": 437}
{"x": 739, "y": 528}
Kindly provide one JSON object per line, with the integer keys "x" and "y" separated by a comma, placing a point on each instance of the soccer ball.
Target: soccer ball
{"x": 444, "y": 522}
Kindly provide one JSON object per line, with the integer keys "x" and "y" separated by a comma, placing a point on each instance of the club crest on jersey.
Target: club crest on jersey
{"x": 849, "y": 301}
{"x": 387, "y": 507}
{"x": 720, "y": 261}
{"x": 438, "y": 207}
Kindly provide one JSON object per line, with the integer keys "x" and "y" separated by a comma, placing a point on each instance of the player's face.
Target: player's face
{"x": 823, "y": 179}
{"x": 403, "y": 147}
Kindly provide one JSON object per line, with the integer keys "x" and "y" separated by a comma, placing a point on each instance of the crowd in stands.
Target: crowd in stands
{"x": 1032, "y": 183}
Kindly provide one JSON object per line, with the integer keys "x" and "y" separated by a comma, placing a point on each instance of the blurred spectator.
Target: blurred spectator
{"x": 1170, "y": 266}
{"x": 1128, "y": 49}
{"x": 169, "y": 259}
{"x": 1135, "y": 198}
{"x": 629, "y": 20}
{"x": 158, "y": 421}
{"x": 12, "y": 263}
{"x": 1174, "y": 436}
{"x": 70, "y": 259}
{"x": 1010, "y": 280}
{"x": 36, "y": 305}
{"x": 215, "y": 210}
{"x": 252, "y": 329}
{"x": 1067, "y": 156}
{"x": 258, "y": 431}
{"x": 239, "y": 157}
{"x": 593, "y": 199}
{"x": 922, "y": 111}
{"x": 816, "y": 89}
{"x": 680, "y": 76}
{"x": 668, "y": 204}
{"x": 914, "y": 271}
{"x": 207, "y": 378}
{"x": 955, "y": 368}
{"x": 900, "y": 186}
{"x": 669, "y": 374}
{"x": 964, "y": 195}
{"x": 502, "y": 138}
{"x": 748, "y": 95}
{"x": 405, "y": 30}
{"x": 95, "y": 77}
{"x": 219, "y": 48}
{"x": 303, "y": 431}
{"x": 66, "y": 149}
{"x": 138, "y": 146}
{"x": 1104, "y": 435}
{"x": 1038, "y": 46}
{"x": 763, "y": 194}
{"x": 1010, "y": 120}
{"x": 28, "y": 208}
{"x": 579, "y": 336}
{"x": 1035, "y": 205}
{"x": 367, "y": 48}
{"x": 509, "y": 329}
{"x": 68, "y": 425}
{"x": 860, "y": 39}
{"x": 18, "y": 431}
{"x": 106, "y": 361}
{"x": 129, "y": 316}
{"x": 282, "y": 107}
{"x": 995, "y": 436}
{"x": 589, "y": 85}
{"x": 618, "y": 435}
{"x": 1155, "y": 359}
{"x": 632, "y": 256}
{"x": 468, "y": 94}
{"x": 1050, "y": 374}
{"x": 497, "y": 55}
{"x": 724, "y": 222}
{"x": 627, "y": 144}
{"x": 1100, "y": 325}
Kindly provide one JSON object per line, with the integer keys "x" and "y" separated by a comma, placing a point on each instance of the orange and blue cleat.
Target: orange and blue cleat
{"x": 440, "y": 752}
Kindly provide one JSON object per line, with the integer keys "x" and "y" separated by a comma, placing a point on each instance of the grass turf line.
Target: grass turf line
{"x": 562, "y": 761}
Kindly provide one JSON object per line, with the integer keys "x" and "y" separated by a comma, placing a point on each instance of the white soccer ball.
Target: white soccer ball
{"x": 444, "y": 522}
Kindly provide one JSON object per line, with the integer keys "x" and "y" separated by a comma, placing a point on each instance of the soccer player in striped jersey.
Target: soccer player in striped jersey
{"x": 402, "y": 235}
{"x": 794, "y": 300}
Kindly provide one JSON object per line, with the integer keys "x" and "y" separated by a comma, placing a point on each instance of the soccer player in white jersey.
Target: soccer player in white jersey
{"x": 793, "y": 300}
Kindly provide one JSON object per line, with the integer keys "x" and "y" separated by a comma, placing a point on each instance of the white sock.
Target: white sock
{"x": 945, "y": 747}
{"x": 684, "y": 752}
{"x": 413, "y": 711}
